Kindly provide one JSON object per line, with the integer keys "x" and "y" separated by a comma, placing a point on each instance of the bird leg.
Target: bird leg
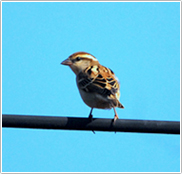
{"x": 91, "y": 118}
{"x": 116, "y": 115}
{"x": 90, "y": 115}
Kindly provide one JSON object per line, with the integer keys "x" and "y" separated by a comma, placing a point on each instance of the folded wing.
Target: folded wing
{"x": 101, "y": 80}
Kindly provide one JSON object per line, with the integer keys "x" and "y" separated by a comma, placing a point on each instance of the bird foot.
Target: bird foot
{"x": 90, "y": 117}
{"x": 115, "y": 118}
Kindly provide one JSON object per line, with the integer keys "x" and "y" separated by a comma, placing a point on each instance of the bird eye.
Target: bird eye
{"x": 78, "y": 58}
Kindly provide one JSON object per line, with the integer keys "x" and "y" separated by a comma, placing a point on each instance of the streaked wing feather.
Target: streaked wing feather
{"x": 101, "y": 80}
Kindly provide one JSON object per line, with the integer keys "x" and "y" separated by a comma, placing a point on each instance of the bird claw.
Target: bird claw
{"x": 90, "y": 117}
{"x": 115, "y": 118}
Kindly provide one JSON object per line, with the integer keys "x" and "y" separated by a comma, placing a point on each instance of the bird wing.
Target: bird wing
{"x": 101, "y": 80}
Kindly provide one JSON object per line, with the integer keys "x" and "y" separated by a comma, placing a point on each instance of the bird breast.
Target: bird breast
{"x": 95, "y": 100}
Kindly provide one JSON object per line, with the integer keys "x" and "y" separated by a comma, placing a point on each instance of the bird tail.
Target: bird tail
{"x": 120, "y": 105}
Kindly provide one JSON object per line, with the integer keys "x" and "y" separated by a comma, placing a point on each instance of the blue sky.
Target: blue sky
{"x": 140, "y": 42}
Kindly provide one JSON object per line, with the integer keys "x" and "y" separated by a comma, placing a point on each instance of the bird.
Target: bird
{"x": 98, "y": 86}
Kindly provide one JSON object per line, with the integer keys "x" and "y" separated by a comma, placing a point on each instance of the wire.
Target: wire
{"x": 96, "y": 124}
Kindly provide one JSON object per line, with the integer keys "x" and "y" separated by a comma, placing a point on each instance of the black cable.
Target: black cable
{"x": 96, "y": 124}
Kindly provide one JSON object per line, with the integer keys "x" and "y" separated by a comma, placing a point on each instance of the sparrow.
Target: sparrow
{"x": 97, "y": 84}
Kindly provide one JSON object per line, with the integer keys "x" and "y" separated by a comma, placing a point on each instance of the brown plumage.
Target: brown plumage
{"x": 98, "y": 85}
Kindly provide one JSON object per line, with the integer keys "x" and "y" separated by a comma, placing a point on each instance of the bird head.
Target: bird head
{"x": 80, "y": 61}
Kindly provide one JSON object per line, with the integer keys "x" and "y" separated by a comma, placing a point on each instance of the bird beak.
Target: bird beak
{"x": 67, "y": 62}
